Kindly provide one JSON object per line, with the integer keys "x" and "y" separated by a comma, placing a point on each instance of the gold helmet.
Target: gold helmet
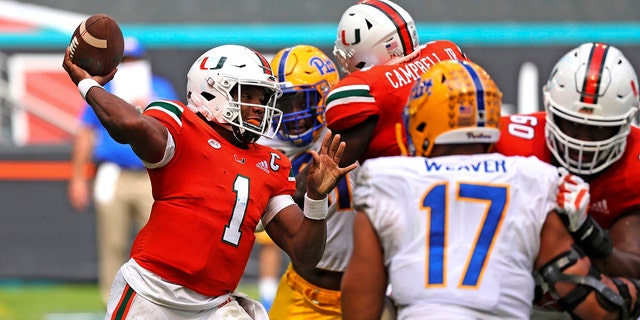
{"x": 305, "y": 75}
{"x": 454, "y": 102}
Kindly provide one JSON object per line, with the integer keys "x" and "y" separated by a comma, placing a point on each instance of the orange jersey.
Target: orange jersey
{"x": 208, "y": 200}
{"x": 614, "y": 192}
{"x": 383, "y": 91}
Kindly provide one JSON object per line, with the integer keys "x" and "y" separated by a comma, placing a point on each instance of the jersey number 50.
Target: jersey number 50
{"x": 522, "y": 126}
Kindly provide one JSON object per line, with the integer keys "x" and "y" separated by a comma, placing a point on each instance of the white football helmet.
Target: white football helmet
{"x": 594, "y": 85}
{"x": 374, "y": 32}
{"x": 215, "y": 75}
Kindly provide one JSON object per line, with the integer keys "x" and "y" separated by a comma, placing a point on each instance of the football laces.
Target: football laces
{"x": 72, "y": 46}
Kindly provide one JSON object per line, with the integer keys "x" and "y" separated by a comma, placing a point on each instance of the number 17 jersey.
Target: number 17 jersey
{"x": 460, "y": 234}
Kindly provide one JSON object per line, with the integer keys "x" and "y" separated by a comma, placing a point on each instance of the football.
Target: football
{"x": 97, "y": 45}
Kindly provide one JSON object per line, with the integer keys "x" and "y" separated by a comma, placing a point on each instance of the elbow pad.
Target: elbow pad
{"x": 631, "y": 311}
{"x": 553, "y": 273}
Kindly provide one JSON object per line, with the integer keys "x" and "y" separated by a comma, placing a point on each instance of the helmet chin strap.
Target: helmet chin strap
{"x": 244, "y": 137}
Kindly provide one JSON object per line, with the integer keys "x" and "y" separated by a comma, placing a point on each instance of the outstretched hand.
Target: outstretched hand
{"x": 324, "y": 171}
{"x": 78, "y": 74}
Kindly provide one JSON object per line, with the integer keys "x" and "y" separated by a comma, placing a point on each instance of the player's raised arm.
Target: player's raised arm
{"x": 123, "y": 121}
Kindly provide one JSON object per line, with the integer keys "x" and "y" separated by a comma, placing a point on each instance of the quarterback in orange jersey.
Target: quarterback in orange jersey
{"x": 377, "y": 45}
{"x": 211, "y": 185}
{"x": 591, "y": 99}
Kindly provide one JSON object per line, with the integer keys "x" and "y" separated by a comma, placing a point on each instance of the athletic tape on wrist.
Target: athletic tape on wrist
{"x": 594, "y": 240}
{"x": 85, "y": 84}
{"x": 315, "y": 209}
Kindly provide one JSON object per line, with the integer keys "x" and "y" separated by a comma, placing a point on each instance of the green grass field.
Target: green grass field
{"x": 57, "y": 301}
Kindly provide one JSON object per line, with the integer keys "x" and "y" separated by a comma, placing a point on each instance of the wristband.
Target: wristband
{"x": 594, "y": 240}
{"x": 85, "y": 84}
{"x": 315, "y": 209}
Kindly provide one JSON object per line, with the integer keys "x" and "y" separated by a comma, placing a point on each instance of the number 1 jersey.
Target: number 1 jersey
{"x": 207, "y": 202}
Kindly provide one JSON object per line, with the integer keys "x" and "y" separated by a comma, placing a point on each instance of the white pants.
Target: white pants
{"x": 125, "y": 303}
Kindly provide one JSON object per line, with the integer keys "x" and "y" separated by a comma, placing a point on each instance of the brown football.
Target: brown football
{"x": 97, "y": 45}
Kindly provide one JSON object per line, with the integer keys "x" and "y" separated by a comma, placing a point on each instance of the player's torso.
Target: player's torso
{"x": 383, "y": 91}
{"x": 615, "y": 191}
{"x": 208, "y": 200}
{"x": 460, "y": 230}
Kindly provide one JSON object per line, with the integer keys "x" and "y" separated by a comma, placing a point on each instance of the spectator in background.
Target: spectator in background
{"x": 121, "y": 189}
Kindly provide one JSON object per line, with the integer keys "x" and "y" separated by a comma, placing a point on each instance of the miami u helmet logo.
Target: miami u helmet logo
{"x": 344, "y": 40}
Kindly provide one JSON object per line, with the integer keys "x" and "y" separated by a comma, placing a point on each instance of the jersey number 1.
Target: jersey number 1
{"x": 232, "y": 229}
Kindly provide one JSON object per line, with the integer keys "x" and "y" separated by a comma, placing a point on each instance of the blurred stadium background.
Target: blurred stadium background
{"x": 42, "y": 240}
